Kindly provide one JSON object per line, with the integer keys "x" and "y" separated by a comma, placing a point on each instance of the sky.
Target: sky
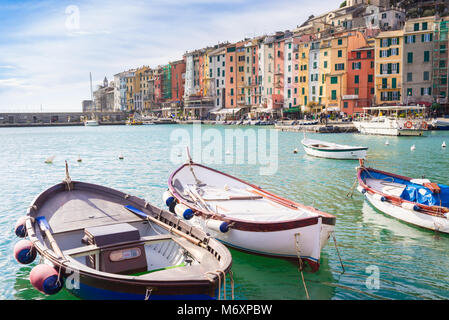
{"x": 48, "y": 48}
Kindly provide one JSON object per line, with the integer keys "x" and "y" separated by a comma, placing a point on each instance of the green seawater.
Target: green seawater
{"x": 413, "y": 263}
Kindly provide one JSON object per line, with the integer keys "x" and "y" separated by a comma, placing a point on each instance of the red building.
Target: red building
{"x": 178, "y": 70}
{"x": 360, "y": 81}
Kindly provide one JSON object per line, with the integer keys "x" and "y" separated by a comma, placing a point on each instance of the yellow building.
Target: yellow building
{"x": 336, "y": 73}
{"x": 301, "y": 74}
{"x": 388, "y": 67}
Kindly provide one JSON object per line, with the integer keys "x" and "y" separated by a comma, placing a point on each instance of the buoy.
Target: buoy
{"x": 412, "y": 148}
{"x": 120, "y": 156}
{"x": 45, "y": 279}
{"x": 20, "y": 229}
{"x": 168, "y": 198}
{"x": 79, "y": 159}
{"x": 228, "y": 152}
{"x": 217, "y": 225}
{"x": 387, "y": 143}
{"x": 24, "y": 252}
{"x": 183, "y": 211}
{"x": 296, "y": 150}
{"x": 410, "y": 206}
{"x": 379, "y": 197}
{"x": 444, "y": 144}
{"x": 361, "y": 189}
{"x": 50, "y": 159}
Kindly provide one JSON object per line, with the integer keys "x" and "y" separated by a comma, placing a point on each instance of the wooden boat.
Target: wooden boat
{"x": 324, "y": 149}
{"x": 117, "y": 246}
{"x": 245, "y": 217}
{"x": 416, "y": 201}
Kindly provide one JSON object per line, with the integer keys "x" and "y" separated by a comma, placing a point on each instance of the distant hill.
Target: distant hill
{"x": 420, "y": 8}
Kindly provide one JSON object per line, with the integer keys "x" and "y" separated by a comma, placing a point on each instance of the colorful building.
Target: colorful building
{"x": 417, "y": 61}
{"x": 360, "y": 81}
{"x": 388, "y": 67}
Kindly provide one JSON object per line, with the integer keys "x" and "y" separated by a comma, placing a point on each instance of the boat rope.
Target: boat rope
{"x": 351, "y": 191}
{"x": 231, "y": 276}
{"x": 298, "y": 252}
{"x": 338, "y": 252}
{"x": 148, "y": 293}
{"x": 224, "y": 282}
{"x": 59, "y": 276}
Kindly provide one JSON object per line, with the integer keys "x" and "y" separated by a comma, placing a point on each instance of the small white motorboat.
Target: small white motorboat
{"x": 417, "y": 201}
{"x": 91, "y": 123}
{"x": 245, "y": 217}
{"x": 331, "y": 150}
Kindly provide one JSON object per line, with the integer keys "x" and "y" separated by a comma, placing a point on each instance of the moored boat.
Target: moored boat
{"x": 246, "y": 217}
{"x": 440, "y": 124}
{"x": 417, "y": 201}
{"x": 105, "y": 244}
{"x": 392, "y": 121}
{"x": 324, "y": 149}
{"x": 91, "y": 123}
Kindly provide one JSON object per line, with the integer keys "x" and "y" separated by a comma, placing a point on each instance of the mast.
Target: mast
{"x": 91, "y": 94}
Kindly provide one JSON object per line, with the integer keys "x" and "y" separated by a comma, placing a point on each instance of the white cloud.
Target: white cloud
{"x": 49, "y": 64}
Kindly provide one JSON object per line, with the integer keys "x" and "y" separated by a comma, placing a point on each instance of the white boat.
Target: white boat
{"x": 392, "y": 121}
{"x": 245, "y": 217}
{"x": 324, "y": 149}
{"x": 440, "y": 124}
{"x": 92, "y": 122}
{"x": 416, "y": 201}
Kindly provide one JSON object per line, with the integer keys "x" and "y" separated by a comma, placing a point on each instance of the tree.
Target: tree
{"x": 343, "y": 4}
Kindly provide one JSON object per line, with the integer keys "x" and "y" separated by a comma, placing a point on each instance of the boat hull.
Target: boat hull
{"x": 416, "y": 218}
{"x": 336, "y": 154}
{"x": 280, "y": 244}
{"x": 385, "y": 130}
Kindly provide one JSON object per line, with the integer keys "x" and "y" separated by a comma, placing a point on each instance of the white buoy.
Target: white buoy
{"x": 79, "y": 159}
{"x": 228, "y": 152}
{"x": 412, "y": 148}
{"x": 50, "y": 159}
{"x": 444, "y": 144}
{"x": 120, "y": 156}
{"x": 387, "y": 143}
{"x": 296, "y": 150}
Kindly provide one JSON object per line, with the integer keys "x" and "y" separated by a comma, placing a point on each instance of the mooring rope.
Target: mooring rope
{"x": 338, "y": 252}
{"x": 298, "y": 251}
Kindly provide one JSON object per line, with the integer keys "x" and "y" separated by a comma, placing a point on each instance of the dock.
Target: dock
{"x": 320, "y": 128}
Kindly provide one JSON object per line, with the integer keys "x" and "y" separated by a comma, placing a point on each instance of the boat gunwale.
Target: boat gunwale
{"x": 255, "y": 226}
{"x": 434, "y": 211}
{"x": 116, "y": 280}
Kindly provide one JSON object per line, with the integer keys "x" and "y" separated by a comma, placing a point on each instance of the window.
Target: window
{"x": 358, "y": 55}
{"x": 393, "y": 83}
{"x": 426, "y": 37}
{"x": 410, "y": 39}
{"x": 334, "y": 95}
{"x": 410, "y": 57}
{"x": 424, "y": 26}
{"x": 345, "y": 105}
{"x": 340, "y": 42}
{"x": 368, "y": 54}
{"x": 416, "y": 27}
{"x": 339, "y": 66}
{"x": 426, "y": 56}
{"x": 325, "y": 64}
{"x": 356, "y": 91}
{"x": 409, "y": 77}
{"x": 231, "y": 69}
{"x": 356, "y": 79}
{"x": 334, "y": 80}
{"x": 340, "y": 53}
{"x": 370, "y": 78}
{"x": 425, "y": 75}
{"x": 409, "y": 92}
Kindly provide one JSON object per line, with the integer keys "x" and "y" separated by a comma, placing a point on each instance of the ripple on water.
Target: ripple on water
{"x": 412, "y": 262}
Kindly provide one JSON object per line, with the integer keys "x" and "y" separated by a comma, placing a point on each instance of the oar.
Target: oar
{"x": 166, "y": 226}
{"x": 44, "y": 226}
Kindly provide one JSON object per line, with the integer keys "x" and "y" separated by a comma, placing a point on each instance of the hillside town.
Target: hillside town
{"x": 363, "y": 54}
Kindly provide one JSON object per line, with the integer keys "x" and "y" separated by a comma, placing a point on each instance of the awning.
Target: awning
{"x": 332, "y": 109}
{"x": 227, "y": 111}
{"x": 291, "y": 110}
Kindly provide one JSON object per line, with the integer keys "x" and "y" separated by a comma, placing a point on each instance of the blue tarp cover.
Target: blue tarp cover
{"x": 415, "y": 192}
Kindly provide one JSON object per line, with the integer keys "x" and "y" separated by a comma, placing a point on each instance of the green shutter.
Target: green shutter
{"x": 393, "y": 83}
